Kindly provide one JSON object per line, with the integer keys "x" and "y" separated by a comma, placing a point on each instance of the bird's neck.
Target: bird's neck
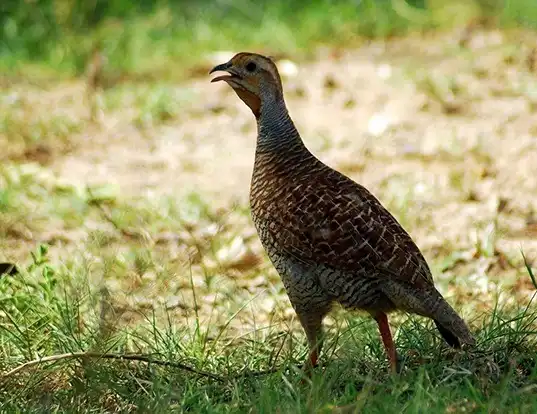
{"x": 276, "y": 132}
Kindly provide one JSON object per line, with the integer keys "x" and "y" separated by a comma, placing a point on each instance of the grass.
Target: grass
{"x": 165, "y": 40}
{"x": 122, "y": 293}
{"x": 49, "y": 310}
{"x": 169, "y": 39}
{"x": 32, "y": 135}
{"x": 177, "y": 279}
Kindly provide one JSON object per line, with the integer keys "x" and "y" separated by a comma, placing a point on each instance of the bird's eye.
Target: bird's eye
{"x": 251, "y": 66}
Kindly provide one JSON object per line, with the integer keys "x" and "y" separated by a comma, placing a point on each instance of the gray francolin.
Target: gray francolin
{"x": 328, "y": 237}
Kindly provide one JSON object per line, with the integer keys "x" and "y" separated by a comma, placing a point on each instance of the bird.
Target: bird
{"x": 329, "y": 238}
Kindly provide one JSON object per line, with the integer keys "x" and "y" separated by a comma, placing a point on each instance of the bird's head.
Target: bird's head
{"x": 253, "y": 77}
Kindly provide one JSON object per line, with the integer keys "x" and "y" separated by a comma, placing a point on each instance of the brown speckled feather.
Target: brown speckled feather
{"x": 325, "y": 217}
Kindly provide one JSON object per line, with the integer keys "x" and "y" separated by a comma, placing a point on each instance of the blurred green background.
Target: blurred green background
{"x": 56, "y": 37}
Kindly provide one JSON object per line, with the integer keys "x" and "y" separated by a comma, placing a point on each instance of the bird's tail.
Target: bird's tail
{"x": 451, "y": 339}
{"x": 430, "y": 303}
{"x": 452, "y": 327}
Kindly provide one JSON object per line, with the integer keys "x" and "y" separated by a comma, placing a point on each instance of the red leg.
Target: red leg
{"x": 386, "y": 335}
{"x": 310, "y": 363}
{"x": 312, "y": 324}
{"x": 313, "y": 357}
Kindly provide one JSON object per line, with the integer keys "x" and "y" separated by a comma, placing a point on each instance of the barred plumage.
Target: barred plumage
{"x": 328, "y": 237}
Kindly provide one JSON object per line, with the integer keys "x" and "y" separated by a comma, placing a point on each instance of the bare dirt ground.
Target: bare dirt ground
{"x": 445, "y": 137}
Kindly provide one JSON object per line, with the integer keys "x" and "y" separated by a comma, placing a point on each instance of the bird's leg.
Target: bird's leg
{"x": 386, "y": 335}
{"x": 312, "y": 324}
{"x": 315, "y": 351}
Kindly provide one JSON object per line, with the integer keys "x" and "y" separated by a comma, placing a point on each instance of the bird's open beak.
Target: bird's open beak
{"x": 224, "y": 67}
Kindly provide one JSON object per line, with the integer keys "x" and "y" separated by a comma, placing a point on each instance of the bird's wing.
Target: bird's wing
{"x": 339, "y": 223}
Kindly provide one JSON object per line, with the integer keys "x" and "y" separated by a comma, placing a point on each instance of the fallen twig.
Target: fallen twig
{"x": 132, "y": 357}
{"x": 126, "y": 357}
